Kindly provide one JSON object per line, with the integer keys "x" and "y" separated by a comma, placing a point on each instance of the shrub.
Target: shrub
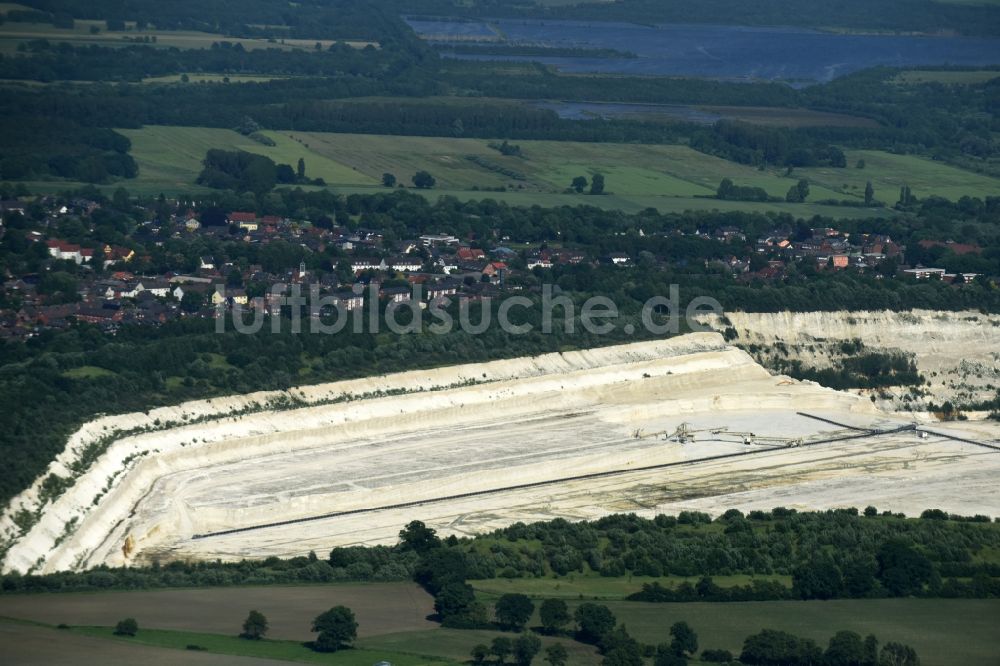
{"x": 127, "y": 627}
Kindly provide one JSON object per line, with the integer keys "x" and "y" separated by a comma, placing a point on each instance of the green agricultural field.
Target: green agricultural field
{"x": 633, "y": 172}
{"x": 23, "y": 643}
{"x": 14, "y": 33}
{"x": 170, "y": 158}
{"x": 670, "y": 178}
{"x": 918, "y": 76}
{"x": 446, "y": 159}
{"x": 889, "y": 172}
{"x": 380, "y": 608}
{"x": 266, "y": 649}
{"x": 944, "y": 632}
{"x": 595, "y": 586}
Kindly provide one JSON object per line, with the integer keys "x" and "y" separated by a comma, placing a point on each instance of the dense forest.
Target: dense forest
{"x": 61, "y": 148}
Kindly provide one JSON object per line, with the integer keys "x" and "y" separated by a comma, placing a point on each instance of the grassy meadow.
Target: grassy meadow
{"x": 944, "y": 632}
{"x": 889, "y": 172}
{"x": 171, "y": 157}
{"x": 671, "y": 178}
{"x": 292, "y": 651}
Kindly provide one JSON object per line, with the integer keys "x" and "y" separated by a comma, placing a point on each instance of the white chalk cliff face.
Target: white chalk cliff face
{"x": 475, "y": 447}
{"x": 958, "y": 353}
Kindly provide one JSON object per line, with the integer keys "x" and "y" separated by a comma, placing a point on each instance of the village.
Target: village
{"x": 115, "y": 284}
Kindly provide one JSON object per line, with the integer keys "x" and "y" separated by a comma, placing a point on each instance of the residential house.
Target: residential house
{"x": 728, "y": 233}
{"x": 100, "y": 312}
{"x": 230, "y": 296}
{"x": 368, "y": 264}
{"x": 495, "y": 271}
{"x": 348, "y": 300}
{"x": 158, "y": 287}
{"x": 406, "y": 264}
{"x": 442, "y": 289}
{"x": 114, "y": 254}
{"x": 447, "y": 265}
{"x": 396, "y": 294}
{"x": 430, "y": 240}
{"x": 12, "y": 206}
{"x": 540, "y": 259}
{"x": 245, "y": 221}
{"x": 923, "y": 273}
{"x": 69, "y": 251}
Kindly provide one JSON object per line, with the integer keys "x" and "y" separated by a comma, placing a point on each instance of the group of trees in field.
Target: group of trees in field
{"x": 595, "y": 624}
{"x": 730, "y": 191}
{"x": 759, "y": 146}
{"x": 773, "y": 648}
{"x": 579, "y": 184}
{"x": 335, "y": 629}
{"x": 241, "y": 171}
{"x": 423, "y": 180}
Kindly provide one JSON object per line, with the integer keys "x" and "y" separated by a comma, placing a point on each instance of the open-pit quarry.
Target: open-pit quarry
{"x": 685, "y": 423}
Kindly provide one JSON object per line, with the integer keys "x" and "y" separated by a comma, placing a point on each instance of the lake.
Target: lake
{"x": 716, "y": 51}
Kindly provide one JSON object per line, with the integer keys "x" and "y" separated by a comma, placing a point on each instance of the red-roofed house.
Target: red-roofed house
{"x": 246, "y": 221}
{"x": 470, "y": 254}
{"x": 494, "y": 270}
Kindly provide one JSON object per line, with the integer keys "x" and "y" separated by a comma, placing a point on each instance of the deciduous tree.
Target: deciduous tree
{"x": 337, "y": 629}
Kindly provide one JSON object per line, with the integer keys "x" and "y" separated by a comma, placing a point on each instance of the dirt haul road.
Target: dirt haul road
{"x": 476, "y": 447}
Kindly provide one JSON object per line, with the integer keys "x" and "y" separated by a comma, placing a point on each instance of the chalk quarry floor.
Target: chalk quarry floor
{"x": 902, "y": 473}
{"x": 495, "y": 455}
